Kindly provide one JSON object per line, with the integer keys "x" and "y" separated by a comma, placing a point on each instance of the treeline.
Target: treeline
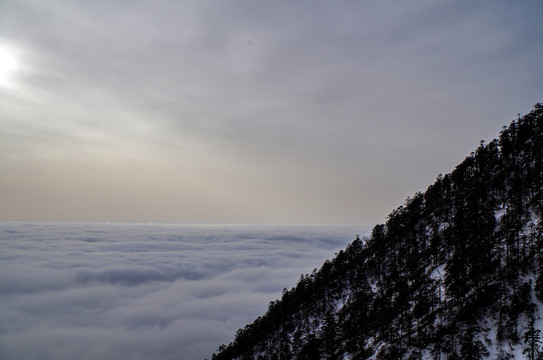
{"x": 454, "y": 273}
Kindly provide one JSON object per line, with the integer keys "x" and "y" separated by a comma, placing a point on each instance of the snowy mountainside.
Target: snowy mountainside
{"x": 454, "y": 273}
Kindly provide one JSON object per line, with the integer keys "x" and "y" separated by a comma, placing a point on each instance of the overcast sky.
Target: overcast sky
{"x": 251, "y": 111}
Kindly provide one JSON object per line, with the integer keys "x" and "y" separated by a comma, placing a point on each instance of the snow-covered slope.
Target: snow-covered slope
{"x": 455, "y": 273}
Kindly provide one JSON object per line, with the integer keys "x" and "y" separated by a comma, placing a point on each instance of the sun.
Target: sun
{"x": 8, "y": 66}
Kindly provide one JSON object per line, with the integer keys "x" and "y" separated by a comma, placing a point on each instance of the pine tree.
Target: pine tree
{"x": 532, "y": 336}
{"x": 472, "y": 348}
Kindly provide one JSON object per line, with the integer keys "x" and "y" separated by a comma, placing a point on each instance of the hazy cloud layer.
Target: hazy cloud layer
{"x": 114, "y": 291}
{"x": 244, "y": 111}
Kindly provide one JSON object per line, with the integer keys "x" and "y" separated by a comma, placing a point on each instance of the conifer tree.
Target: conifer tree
{"x": 532, "y": 336}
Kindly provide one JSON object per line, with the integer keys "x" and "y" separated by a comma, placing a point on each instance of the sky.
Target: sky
{"x": 137, "y": 291}
{"x": 243, "y": 111}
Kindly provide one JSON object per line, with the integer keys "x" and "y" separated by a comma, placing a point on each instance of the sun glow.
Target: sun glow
{"x": 8, "y": 66}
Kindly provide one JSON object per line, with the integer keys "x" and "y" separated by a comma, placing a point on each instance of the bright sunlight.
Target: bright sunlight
{"x": 8, "y": 66}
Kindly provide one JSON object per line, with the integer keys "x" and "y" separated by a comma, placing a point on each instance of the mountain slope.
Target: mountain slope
{"x": 454, "y": 273}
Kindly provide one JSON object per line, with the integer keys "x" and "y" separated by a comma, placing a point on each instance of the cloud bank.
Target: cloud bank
{"x": 118, "y": 291}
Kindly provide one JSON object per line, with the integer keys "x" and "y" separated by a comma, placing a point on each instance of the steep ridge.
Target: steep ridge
{"x": 454, "y": 273}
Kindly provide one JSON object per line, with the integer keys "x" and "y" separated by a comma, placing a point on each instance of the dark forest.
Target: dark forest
{"x": 454, "y": 273}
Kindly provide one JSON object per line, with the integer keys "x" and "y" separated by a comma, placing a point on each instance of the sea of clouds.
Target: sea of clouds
{"x": 146, "y": 291}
